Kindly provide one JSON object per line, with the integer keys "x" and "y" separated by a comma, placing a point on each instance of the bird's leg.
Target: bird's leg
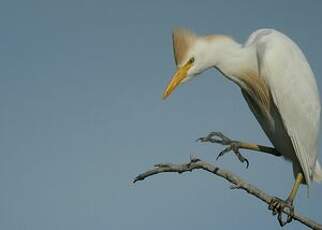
{"x": 218, "y": 137}
{"x": 278, "y": 205}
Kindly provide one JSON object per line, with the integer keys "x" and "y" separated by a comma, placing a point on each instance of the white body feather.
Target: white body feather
{"x": 295, "y": 131}
{"x": 277, "y": 83}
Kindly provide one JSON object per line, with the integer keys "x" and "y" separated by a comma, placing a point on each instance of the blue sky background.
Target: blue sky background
{"x": 81, "y": 115}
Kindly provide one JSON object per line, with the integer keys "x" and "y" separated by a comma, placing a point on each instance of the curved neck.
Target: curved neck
{"x": 239, "y": 64}
{"x": 232, "y": 59}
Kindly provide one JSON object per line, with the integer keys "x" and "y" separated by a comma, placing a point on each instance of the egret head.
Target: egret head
{"x": 193, "y": 54}
{"x": 184, "y": 43}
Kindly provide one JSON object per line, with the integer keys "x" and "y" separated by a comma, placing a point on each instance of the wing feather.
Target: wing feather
{"x": 295, "y": 94}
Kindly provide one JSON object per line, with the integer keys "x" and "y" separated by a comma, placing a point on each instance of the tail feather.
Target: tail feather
{"x": 317, "y": 174}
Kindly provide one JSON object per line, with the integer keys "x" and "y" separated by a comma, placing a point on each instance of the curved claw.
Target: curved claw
{"x": 218, "y": 137}
{"x": 279, "y": 206}
{"x": 240, "y": 157}
{"x": 247, "y": 163}
{"x": 226, "y": 150}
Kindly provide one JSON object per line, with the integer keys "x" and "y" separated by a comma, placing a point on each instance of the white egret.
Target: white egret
{"x": 279, "y": 87}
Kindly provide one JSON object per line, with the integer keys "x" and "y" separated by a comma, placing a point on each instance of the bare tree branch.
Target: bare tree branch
{"x": 238, "y": 183}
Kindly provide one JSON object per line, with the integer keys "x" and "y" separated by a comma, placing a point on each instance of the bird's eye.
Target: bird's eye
{"x": 192, "y": 60}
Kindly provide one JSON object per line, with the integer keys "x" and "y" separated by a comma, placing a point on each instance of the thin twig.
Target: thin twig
{"x": 235, "y": 180}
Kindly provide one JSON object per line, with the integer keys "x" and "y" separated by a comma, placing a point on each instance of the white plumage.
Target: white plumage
{"x": 276, "y": 81}
{"x": 296, "y": 98}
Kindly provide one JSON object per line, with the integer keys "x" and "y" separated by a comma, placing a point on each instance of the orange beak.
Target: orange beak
{"x": 177, "y": 78}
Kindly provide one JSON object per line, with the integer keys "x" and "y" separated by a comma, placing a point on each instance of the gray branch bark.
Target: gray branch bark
{"x": 238, "y": 183}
